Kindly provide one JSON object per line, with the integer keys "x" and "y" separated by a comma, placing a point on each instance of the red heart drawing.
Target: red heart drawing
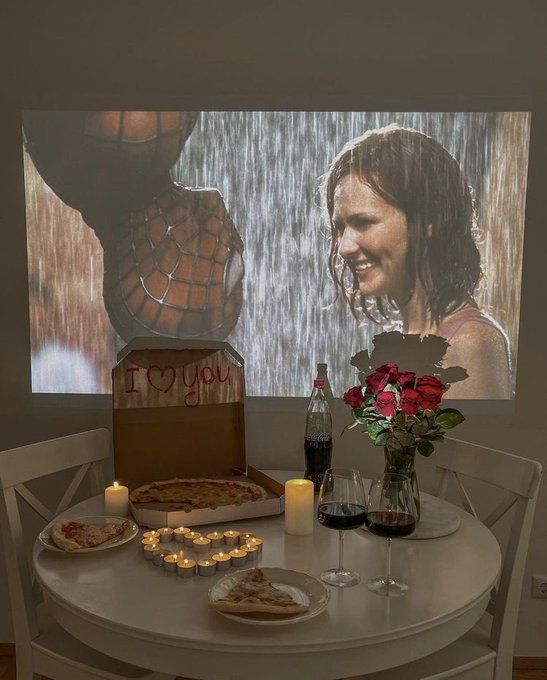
{"x": 162, "y": 371}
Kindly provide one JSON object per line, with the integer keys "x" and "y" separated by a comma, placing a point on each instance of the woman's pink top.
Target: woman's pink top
{"x": 450, "y": 327}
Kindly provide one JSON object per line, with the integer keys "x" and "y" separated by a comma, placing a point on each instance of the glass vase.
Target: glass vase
{"x": 402, "y": 463}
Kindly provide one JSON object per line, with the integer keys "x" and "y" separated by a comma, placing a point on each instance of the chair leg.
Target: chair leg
{"x": 24, "y": 670}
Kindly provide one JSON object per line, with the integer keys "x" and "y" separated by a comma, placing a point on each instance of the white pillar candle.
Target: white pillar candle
{"x": 216, "y": 539}
{"x": 116, "y": 500}
{"x": 179, "y": 533}
{"x": 206, "y": 567}
{"x": 231, "y": 537}
{"x": 298, "y": 507}
{"x": 166, "y": 534}
{"x": 186, "y": 567}
{"x": 223, "y": 561}
{"x": 190, "y": 537}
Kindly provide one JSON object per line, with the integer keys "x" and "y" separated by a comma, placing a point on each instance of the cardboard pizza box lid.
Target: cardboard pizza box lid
{"x": 178, "y": 410}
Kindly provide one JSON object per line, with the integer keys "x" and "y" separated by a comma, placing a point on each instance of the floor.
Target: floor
{"x": 7, "y": 671}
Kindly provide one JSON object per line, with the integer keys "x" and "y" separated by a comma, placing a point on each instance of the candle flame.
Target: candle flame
{"x": 116, "y": 485}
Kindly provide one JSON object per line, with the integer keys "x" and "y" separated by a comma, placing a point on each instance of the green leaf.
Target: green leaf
{"x": 381, "y": 439}
{"x": 391, "y": 388}
{"x": 425, "y": 448}
{"x": 448, "y": 417}
{"x": 374, "y": 429}
{"x": 400, "y": 419}
{"x": 393, "y": 444}
{"x": 420, "y": 427}
{"x": 433, "y": 436}
{"x": 405, "y": 438}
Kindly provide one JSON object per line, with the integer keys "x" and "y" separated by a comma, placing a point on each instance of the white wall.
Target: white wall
{"x": 361, "y": 53}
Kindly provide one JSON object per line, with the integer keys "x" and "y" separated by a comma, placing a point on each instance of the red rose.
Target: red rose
{"x": 411, "y": 401}
{"x": 354, "y": 397}
{"x": 431, "y": 390}
{"x": 392, "y": 371}
{"x": 386, "y": 403}
{"x": 406, "y": 379}
{"x": 376, "y": 382}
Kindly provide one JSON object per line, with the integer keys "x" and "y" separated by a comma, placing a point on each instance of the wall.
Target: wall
{"x": 393, "y": 55}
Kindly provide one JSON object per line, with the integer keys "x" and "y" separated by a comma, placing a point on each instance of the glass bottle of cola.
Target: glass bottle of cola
{"x": 318, "y": 439}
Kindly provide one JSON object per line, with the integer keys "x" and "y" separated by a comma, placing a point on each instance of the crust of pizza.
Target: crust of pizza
{"x": 254, "y": 594}
{"x": 61, "y": 541}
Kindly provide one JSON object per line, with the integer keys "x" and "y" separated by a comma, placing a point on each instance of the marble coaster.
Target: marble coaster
{"x": 436, "y": 519}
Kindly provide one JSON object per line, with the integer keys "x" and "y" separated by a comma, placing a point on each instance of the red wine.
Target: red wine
{"x": 390, "y": 524}
{"x": 337, "y": 515}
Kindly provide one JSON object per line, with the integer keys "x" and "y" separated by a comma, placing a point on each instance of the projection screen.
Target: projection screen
{"x": 238, "y": 226}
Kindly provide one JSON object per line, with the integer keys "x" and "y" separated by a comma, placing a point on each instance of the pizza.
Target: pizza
{"x": 72, "y": 535}
{"x": 195, "y": 494}
{"x": 255, "y": 593}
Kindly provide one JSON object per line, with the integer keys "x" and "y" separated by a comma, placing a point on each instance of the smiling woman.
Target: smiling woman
{"x": 402, "y": 219}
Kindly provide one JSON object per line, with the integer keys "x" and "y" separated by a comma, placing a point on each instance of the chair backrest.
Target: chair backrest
{"x": 520, "y": 477}
{"x": 85, "y": 451}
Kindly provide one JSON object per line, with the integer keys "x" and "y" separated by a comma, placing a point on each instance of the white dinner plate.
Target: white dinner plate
{"x": 304, "y": 589}
{"x": 129, "y": 534}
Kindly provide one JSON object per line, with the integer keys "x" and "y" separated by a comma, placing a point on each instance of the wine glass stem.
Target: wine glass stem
{"x": 388, "y": 561}
{"x": 340, "y": 551}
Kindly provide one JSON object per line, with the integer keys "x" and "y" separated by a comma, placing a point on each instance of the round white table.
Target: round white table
{"x": 120, "y": 604}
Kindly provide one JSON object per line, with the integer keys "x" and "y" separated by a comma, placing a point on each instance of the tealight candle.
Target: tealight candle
{"x": 152, "y": 534}
{"x": 158, "y": 556}
{"x": 299, "y": 507}
{"x": 257, "y": 542}
{"x": 223, "y": 561}
{"x": 116, "y": 500}
{"x": 216, "y": 539}
{"x": 186, "y": 567}
{"x": 244, "y": 538}
{"x": 166, "y": 534}
{"x": 170, "y": 563}
{"x": 231, "y": 537}
{"x": 150, "y": 550}
{"x": 206, "y": 567}
{"x": 251, "y": 550}
{"x": 238, "y": 557}
{"x": 179, "y": 533}
{"x": 201, "y": 544}
{"x": 190, "y": 537}
{"x": 149, "y": 541}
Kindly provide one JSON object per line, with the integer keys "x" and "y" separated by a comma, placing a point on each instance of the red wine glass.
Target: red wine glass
{"x": 391, "y": 512}
{"x": 342, "y": 506}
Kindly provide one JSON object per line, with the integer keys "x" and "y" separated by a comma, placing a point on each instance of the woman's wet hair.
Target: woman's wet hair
{"x": 417, "y": 175}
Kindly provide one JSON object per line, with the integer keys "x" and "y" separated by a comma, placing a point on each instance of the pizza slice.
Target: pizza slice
{"x": 255, "y": 593}
{"x": 72, "y": 535}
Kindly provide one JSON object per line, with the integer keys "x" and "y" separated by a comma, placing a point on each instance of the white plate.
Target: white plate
{"x": 132, "y": 530}
{"x": 302, "y": 588}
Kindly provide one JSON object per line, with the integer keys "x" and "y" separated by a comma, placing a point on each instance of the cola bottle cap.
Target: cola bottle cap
{"x": 319, "y": 383}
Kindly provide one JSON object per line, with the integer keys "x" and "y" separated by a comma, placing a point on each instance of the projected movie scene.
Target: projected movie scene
{"x": 299, "y": 237}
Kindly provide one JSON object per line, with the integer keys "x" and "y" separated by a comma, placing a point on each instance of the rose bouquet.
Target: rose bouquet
{"x": 400, "y": 410}
{"x": 401, "y": 413}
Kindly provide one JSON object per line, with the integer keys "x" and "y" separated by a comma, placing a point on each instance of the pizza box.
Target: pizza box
{"x": 178, "y": 413}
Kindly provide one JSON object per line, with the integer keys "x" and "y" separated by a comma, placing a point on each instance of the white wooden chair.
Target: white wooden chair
{"x": 43, "y": 648}
{"x": 484, "y": 654}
